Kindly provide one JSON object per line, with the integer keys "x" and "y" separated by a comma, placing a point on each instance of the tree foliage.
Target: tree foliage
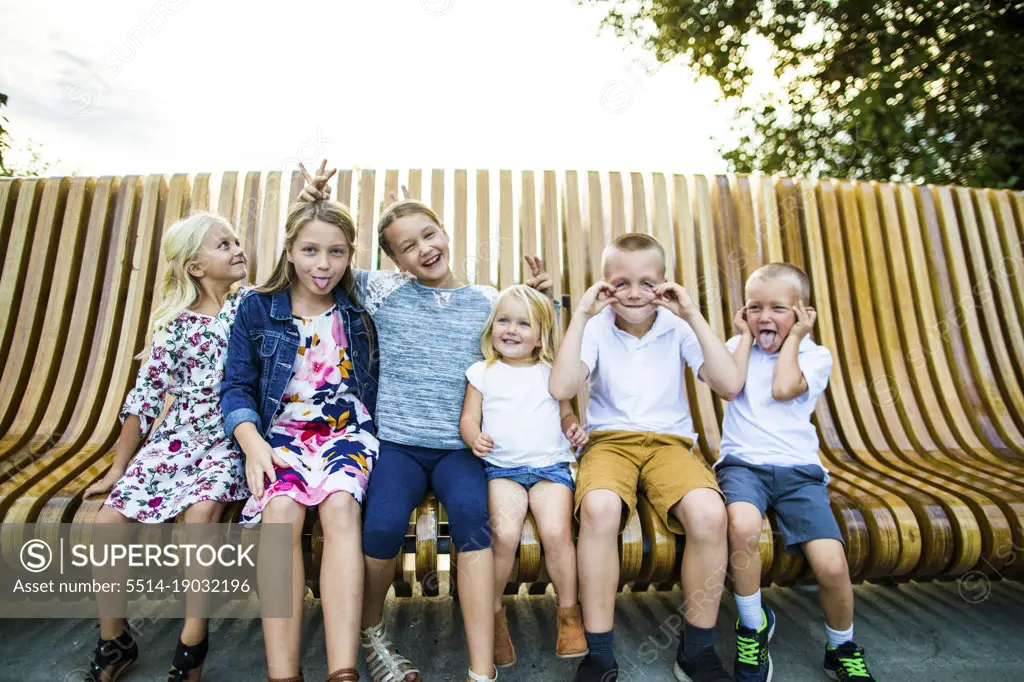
{"x": 910, "y": 90}
{"x": 36, "y": 164}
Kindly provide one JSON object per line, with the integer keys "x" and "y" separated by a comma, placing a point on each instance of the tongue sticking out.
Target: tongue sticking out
{"x": 322, "y": 282}
{"x": 766, "y": 338}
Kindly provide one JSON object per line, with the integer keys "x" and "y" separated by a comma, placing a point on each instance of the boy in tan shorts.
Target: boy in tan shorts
{"x": 631, "y": 335}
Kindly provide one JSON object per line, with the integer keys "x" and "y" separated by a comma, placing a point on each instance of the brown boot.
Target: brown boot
{"x": 572, "y": 642}
{"x": 504, "y": 652}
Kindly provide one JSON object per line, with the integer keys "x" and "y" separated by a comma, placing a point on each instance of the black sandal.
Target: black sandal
{"x": 111, "y": 657}
{"x": 188, "y": 659}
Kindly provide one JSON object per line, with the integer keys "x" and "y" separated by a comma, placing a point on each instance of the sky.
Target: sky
{"x": 121, "y": 87}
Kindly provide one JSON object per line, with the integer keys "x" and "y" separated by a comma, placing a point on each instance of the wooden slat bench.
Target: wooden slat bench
{"x": 919, "y": 292}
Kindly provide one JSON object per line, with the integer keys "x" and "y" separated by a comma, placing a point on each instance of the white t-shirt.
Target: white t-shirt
{"x": 761, "y": 430}
{"x": 520, "y": 415}
{"x": 637, "y": 384}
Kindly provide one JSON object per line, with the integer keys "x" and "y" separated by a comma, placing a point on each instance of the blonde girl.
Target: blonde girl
{"x": 525, "y": 436}
{"x": 187, "y": 465}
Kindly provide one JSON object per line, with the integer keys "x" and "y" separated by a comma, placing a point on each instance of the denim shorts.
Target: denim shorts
{"x": 530, "y": 476}
{"x": 797, "y": 494}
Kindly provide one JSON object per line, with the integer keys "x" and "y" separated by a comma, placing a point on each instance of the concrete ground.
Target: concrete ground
{"x": 934, "y": 631}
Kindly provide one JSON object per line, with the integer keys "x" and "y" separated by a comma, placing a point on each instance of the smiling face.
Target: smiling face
{"x": 321, "y": 255}
{"x": 420, "y": 247}
{"x": 633, "y": 276}
{"x": 221, "y": 256}
{"x": 770, "y": 313}
{"x": 513, "y": 335}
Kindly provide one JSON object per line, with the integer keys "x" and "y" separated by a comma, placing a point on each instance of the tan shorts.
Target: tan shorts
{"x": 662, "y": 466}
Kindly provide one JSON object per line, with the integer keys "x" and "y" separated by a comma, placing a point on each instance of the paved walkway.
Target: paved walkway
{"x": 911, "y": 632}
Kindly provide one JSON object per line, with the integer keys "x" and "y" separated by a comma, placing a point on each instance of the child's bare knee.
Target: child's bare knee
{"x": 744, "y": 531}
{"x": 833, "y": 572}
{"x": 601, "y": 512}
{"x": 557, "y": 532}
{"x": 704, "y": 524}
{"x": 506, "y": 538}
{"x": 207, "y": 511}
{"x": 284, "y": 510}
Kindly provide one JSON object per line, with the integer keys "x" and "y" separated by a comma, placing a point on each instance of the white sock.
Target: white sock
{"x": 750, "y": 610}
{"x": 837, "y": 637}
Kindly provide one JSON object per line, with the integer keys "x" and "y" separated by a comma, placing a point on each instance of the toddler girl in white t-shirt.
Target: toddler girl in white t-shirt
{"x": 525, "y": 437}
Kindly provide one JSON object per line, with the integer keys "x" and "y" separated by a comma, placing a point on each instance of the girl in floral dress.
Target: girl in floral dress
{"x": 298, "y": 396}
{"x": 187, "y": 465}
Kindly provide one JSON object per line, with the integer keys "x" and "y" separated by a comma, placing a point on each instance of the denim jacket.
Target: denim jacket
{"x": 262, "y": 352}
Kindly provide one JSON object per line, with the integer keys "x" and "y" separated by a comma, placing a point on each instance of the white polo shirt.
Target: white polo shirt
{"x": 761, "y": 430}
{"x": 637, "y": 384}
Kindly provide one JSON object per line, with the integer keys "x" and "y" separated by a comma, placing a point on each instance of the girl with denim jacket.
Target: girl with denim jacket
{"x": 299, "y": 396}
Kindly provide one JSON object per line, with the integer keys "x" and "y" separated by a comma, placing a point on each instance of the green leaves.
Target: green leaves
{"x": 908, "y": 90}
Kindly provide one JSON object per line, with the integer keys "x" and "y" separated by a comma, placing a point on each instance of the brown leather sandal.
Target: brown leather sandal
{"x": 344, "y": 675}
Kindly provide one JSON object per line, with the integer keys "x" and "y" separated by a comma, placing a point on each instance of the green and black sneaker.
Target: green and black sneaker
{"x": 753, "y": 661}
{"x": 846, "y": 662}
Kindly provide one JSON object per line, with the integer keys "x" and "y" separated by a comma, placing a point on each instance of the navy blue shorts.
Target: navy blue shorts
{"x": 530, "y": 476}
{"x": 399, "y": 481}
{"x": 797, "y": 494}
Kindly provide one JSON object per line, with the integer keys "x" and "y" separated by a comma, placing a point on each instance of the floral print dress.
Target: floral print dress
{"x": 187, "y": 459}
{"x": 321, "y": 429}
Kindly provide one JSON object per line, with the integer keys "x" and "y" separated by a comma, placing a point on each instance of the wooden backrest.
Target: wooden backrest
{"x": 919, "y": 290}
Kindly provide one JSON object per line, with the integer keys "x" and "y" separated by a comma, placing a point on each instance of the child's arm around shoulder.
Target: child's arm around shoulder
{"x": 569, "y": 370}
{"x": 792, "y": 379}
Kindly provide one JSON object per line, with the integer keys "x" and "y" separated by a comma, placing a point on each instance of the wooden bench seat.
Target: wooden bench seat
{"x": 919, "y": 292}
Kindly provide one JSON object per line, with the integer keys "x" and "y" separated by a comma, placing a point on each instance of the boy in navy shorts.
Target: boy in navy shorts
{"x": 769, "y": 457}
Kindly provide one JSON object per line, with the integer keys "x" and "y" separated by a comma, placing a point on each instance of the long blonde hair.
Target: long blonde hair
{"x": 542, "y": 318}
{"x": 178, "y": 290}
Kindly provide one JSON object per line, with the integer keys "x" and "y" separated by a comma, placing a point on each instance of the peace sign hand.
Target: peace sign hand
{"x": 393, "y": 196}
{"x": 316, "y": 188}
{"x": 539, "y": 279}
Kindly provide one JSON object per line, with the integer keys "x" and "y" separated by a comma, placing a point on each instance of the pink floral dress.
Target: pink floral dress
{"x": 321, "y": 429}
{"x": 187, "y": 459}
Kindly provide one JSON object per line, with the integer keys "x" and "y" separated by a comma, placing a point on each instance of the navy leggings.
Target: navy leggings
{"x": 399, "y": 481}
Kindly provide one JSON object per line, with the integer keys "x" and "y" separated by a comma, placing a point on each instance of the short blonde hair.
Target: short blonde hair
{"x": 633, "y": 241}
{"x": 542, "y": 318}
{"x": 785, "y": 271}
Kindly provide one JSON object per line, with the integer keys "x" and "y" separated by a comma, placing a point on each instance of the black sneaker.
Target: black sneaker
{"x": 593, "y": 669}
{"x": 846, "y": 662}
{"x": 706, "y": 667}
{"x": 753, "y": 662}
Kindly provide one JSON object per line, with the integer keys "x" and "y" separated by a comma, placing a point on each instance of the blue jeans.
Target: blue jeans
{"x": 398, "y": 483}
{"x": 530, "y": 476}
